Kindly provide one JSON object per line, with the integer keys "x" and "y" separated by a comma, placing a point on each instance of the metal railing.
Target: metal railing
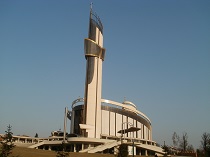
{"x": 96, "y": 19}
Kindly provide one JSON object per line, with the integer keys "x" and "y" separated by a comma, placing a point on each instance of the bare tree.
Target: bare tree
{"x": 205, "y": 143}
{"x": 184, "y": 142}
{"x": 175, "y": 139}
{"x": 190, "y": 147}
{"x": 205, "y": 140}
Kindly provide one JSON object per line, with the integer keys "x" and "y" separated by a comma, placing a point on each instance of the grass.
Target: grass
{"x": 28, "y": 152}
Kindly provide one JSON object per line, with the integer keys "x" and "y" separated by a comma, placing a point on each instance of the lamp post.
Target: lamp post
{"x": 65, "y": 121}
{"x": 131, "y": 129}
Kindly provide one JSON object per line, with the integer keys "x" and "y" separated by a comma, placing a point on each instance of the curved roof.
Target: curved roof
{"x": 127, "y": 105}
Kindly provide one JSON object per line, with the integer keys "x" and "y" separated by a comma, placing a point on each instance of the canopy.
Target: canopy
{"x": 131, "y": 129}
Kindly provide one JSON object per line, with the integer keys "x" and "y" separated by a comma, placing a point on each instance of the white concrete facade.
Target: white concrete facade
{"x": 113, "y": 115}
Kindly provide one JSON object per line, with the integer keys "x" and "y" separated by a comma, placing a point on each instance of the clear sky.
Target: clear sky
{"x": 157, "y": 56}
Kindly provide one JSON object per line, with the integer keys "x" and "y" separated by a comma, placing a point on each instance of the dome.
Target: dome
{"x": 129, "y": 103}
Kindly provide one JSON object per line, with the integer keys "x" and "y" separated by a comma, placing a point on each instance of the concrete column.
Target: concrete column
{"x": 74, "y": 147}
{"x": 140, "y": 152}
{"x": 115, "y": 150}
{"x": 82, "y": 146}
{"x": 49, "y": 148}
{"x": 146, "y": 153}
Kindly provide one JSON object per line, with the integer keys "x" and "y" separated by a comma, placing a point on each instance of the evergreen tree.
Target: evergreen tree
{"x": 63, "y": 152}
{"x": 7, "y": 144}
{"x": 123, "y": 150}
{"x": 36, "y": 135}
{"x": 166, "y": 149}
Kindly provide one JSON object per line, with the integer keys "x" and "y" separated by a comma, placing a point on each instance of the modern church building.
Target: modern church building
{"x": 100, "y": 125}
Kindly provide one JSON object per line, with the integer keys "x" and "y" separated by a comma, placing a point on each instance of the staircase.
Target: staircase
{"x": 104, "y": 146}
{"x": 86, "y": 150}
{"x": 45, "y": 142}
{"x": 36, "y": 145}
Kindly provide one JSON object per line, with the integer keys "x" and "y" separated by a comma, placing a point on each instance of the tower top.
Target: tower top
{"x": 95, "y": 18}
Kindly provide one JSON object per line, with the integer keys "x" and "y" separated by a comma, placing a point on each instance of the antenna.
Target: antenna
{"x": 91, "y": 6}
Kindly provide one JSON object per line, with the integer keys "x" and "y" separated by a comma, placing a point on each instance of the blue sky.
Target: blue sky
{"x": 157, "y": 56}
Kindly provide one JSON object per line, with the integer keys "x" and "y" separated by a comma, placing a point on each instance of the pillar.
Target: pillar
{"x": 74, "y": 147}
{"x": 146, "y": 153}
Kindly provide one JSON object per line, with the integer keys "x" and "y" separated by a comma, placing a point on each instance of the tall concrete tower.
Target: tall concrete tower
{"x": 94, "y": 54}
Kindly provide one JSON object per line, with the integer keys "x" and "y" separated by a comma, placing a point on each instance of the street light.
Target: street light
{"x": 131, "y": 129}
